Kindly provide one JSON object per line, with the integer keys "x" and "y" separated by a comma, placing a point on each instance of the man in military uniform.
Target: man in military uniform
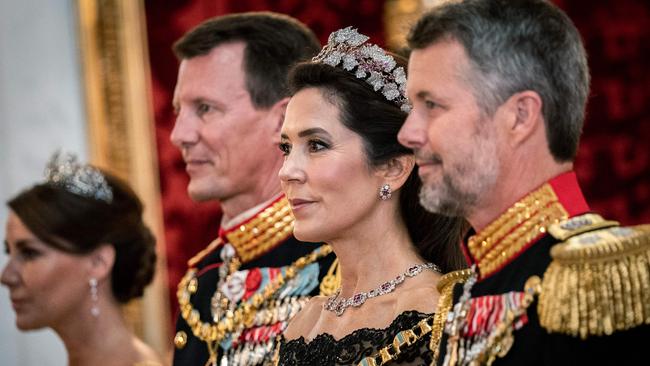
{"x": 230, "y": 98}
{"x": 499, "y": 90}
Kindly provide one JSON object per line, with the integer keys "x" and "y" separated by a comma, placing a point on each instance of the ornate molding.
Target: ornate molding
{"x": 121, "y": 131}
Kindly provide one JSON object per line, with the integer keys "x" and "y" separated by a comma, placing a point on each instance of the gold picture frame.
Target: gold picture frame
{"x": 121, "y": 138}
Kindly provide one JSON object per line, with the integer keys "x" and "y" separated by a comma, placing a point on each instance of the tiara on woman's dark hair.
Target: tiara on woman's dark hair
{"x": 348, "y": 49}
{"x": 64, "y": 170}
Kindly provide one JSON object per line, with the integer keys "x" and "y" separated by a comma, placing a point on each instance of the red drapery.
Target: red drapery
{"x": 613, "y": 161}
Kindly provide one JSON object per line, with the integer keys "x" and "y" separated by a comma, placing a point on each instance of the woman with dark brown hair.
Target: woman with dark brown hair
{"x": 352, "y": 185}
{"x": 78, "y": 249}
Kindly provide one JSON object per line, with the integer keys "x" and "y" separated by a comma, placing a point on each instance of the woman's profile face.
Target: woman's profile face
{"x": 325, "y": 174}
{"x": 46, "y": 286}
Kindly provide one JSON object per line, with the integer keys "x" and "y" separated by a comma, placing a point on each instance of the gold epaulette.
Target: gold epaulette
{"x": 598, "y": 281}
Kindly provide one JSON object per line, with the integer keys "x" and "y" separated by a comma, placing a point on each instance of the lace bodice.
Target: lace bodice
{"x": 349, "y": 350}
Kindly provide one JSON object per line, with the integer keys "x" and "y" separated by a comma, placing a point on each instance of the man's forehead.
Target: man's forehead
{"x": 224, "y": 55}
{"x": 218, "y": 73}
{"x": 229, "y": 52}
{"x": 443, "y": 58}
{"x": 417, "y": 70}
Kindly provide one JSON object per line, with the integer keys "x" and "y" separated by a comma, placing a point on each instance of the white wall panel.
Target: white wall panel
{"x": 40, "y": 110}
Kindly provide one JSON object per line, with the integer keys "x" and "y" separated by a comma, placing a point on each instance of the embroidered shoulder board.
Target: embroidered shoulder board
{"x": 599, "y": 279}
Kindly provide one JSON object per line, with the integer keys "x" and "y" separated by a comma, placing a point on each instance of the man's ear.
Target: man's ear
{"x": 276, "y": 117}
{"x": 396, "y": 171}
{"x": 102, "y": 260}
{"x": 523, "y": 116}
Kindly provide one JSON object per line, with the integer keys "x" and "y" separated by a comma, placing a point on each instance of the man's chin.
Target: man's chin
{"x": 430, "y": 200}
{"x": 436, "y": 201}
{"x": 200, "y": 194}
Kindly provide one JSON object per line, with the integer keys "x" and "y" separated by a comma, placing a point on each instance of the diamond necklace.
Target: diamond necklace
{"x": 338, "y": 305}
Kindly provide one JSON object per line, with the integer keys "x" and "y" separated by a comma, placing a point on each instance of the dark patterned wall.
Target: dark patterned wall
{"x": 614, "y": 158}
{"x": 613, "y": 162}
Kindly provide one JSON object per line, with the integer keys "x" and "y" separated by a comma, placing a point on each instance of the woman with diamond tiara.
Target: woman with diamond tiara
{"x": 78, "y": 249}
{"x": 352, "y": 185}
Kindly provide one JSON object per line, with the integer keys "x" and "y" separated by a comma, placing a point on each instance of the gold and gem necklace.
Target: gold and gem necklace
{"x": 244, "y": 314}
{"x": 338, "y": 305}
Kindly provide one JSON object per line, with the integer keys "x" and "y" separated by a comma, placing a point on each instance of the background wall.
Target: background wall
{"x": 613, "y": 161}
{"x": 40, "y": 111}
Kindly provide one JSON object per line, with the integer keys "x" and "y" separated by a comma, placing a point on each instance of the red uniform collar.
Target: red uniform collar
{"x": 259, "y": 233}
{"x": 263, "y": 231}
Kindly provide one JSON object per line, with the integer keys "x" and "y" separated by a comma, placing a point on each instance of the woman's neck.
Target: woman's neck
{"x": 89, "y": 340}
{"x": 373, "y": 252}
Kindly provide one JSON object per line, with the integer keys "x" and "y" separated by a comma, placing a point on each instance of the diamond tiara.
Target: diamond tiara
{"x": 64, "y": 170}
{"x": 348, "y": 48}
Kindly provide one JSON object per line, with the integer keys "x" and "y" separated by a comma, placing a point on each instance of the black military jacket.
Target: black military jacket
{"x": 262, "y": 262}
{"x": 578, "y": 282}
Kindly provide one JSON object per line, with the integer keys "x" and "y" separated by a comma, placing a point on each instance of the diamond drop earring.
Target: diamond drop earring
{"x": 94, "y": 310}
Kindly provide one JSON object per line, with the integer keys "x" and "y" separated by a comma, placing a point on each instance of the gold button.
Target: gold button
{"x": 180, "y": 340}
{"x": 193, "y": 285}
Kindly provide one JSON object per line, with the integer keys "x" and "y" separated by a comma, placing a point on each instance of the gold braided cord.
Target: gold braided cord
{"x": 518, "y": 213}
{"x": 446, "y": 289}
{"x": 332, "y": 280}
{"x": 598, "y": 283}
{"x": 200, "y": 255}
{"x": 512, "y": 244}
{"x": 244, "y": 315}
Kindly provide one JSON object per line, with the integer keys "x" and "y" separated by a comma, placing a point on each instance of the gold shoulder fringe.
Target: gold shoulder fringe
{"x": 597, "y": 283}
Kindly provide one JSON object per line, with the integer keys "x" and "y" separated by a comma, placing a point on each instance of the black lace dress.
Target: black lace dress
{"x": 326, "y": 351}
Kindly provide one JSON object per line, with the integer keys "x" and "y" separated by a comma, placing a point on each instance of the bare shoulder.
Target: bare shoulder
{"x": 306, "y": 318}
{"x": 146, "y": 355}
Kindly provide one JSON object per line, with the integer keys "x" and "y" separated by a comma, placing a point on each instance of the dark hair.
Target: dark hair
{"x": 76, "y": 224}
{"x": 517, "y": 45}
{"x": 377, "y": 120}
{"x": 274, "y": 43}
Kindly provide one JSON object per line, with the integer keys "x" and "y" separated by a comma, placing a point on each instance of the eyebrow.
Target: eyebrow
{"x": 25, "y": 242}
{"x": 423, "y": 94}
{"x": 308, "y": 132}
{"x": 176, "y": 104}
